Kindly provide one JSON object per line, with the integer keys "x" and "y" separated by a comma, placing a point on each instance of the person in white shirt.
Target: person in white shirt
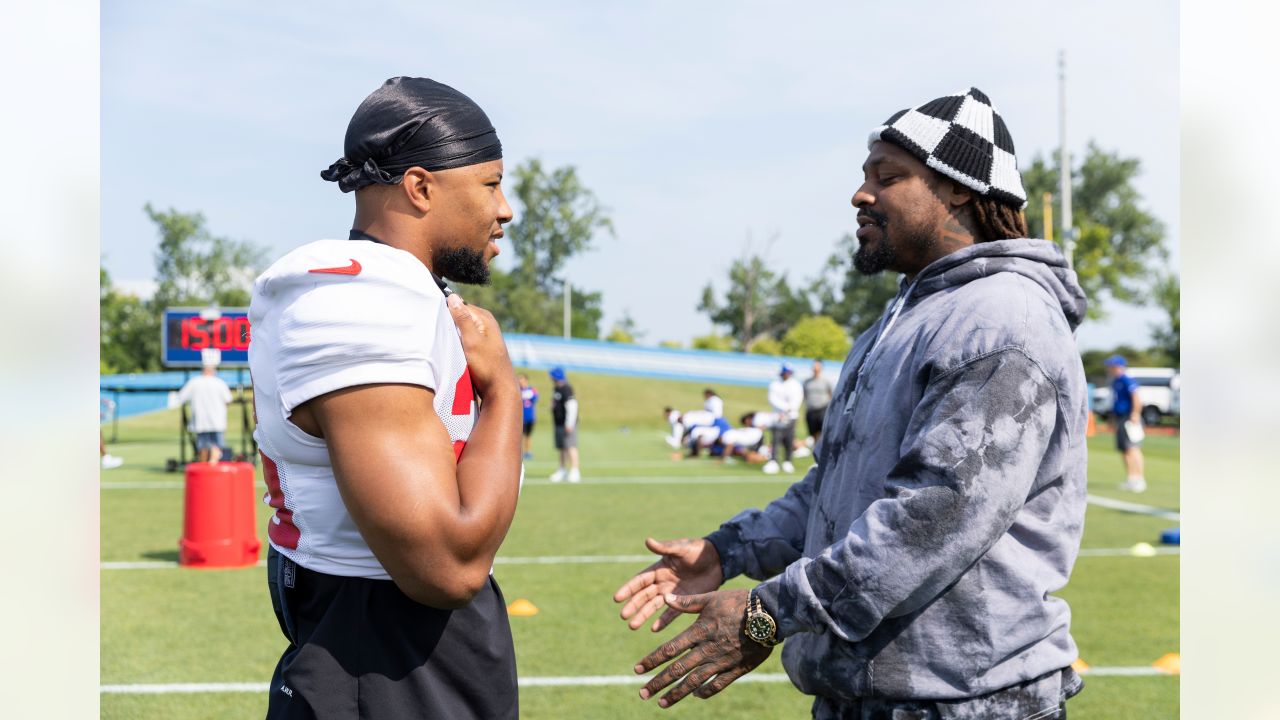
{"x": 713, "y": 403}
{"x": 208, "y": 396}
{"x": 785, "y": 396}
{"x": 389, "y": 422}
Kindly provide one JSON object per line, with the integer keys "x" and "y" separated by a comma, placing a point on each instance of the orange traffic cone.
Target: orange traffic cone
{"x": 522, "y": 608}
{"x": 1092, "y": 427}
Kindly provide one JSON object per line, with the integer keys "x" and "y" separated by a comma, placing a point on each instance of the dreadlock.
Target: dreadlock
{"x": 997, "y": 221}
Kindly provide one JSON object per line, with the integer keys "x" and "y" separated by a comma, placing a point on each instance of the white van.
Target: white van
{"x": 1159, "y": 391}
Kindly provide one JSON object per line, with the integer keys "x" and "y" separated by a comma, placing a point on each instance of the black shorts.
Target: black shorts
{"x": 528, "y": 427}
{"x": 813, "y": 418}
{"x": 361, "y": 648}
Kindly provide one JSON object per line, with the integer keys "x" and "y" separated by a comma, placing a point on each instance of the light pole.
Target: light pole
{"x": 567, "y": 291}
{"x": 1064, "y": 164}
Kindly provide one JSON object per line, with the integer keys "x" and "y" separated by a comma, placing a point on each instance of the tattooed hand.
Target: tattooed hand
{"x": 709, "y": 655}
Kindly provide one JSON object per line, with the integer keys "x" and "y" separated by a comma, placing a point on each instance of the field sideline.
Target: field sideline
{"x": 170, "y": 635}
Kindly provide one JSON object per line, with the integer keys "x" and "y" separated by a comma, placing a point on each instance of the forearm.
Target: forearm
{"x": 488, "y": 476}
{"x": 433, "y": 523}
{"x": 761, "y": 543}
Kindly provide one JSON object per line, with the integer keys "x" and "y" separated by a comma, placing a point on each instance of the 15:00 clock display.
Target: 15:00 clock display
{"x": 188, "y": 331}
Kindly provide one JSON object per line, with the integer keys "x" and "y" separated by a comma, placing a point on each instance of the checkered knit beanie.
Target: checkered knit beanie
{"x": 961, "y": 136}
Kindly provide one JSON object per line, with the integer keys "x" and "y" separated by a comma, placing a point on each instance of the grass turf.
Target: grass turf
{"x": 188, "y": 626}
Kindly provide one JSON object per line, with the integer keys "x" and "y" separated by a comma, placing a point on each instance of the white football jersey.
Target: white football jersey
{"x": 330, "y": 315}
{"x": 746, "y": 437}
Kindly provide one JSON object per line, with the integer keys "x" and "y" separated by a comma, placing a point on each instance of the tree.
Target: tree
{"x": 758, "y": 304}
{"x": 1167, "y": 293}
{"x": 128, "y": 332}
{"x": 195, "y": 267}
{"x": 765, "y": 345}
{"x": 559, "y": 217}
{"x": 1119, "y": 241}
{"x": 816, "y": 337}
{"x": 714, "y": 341}
{"x": 624, "y": 330}
{"x": 1094, "y": 361}
{"x": 846, "y": 295}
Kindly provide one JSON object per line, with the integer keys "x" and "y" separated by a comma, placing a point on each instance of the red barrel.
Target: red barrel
{"x": 219, "y": 525}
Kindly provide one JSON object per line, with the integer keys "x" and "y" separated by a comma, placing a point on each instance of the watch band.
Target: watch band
{"x": 759, "y": 625}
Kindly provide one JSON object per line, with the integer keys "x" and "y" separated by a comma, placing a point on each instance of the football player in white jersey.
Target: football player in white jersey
{"x": 389, "y": 422}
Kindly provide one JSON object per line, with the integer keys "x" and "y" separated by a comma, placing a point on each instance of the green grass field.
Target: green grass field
{"x": 165, "y": 625}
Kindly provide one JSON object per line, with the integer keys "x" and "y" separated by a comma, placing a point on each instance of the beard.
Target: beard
{"x": 462, "y": 265}
{"x": 878, "y": 259}
{"x": 871, "y": 259}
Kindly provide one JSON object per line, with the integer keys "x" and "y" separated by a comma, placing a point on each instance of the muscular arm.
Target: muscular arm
{"x": 435, "y": 526}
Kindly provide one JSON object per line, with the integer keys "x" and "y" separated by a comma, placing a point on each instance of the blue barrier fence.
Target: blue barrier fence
{"x": 147, "y": 392}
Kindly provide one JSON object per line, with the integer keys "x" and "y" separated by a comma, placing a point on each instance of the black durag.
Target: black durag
{"x": 412, "y": 122}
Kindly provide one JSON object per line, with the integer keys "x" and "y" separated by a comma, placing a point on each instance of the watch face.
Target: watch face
{"x": 760, "y": 627}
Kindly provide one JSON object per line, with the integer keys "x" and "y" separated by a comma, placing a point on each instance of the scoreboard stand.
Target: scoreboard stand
{"x": 185, "y": 333}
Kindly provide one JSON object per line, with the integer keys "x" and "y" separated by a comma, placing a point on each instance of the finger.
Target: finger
{"x": 720, "y": 682}
{"x": 691, "y": 682}
{"x": 668, "y": 650}
{"x": 639, "y": 600}
{"x": 687, "y": 603}
{"x": 642, "y": 579}
{"x": 678, "y": 668}
{"x": 645, "y": 612}
{"x": 667, "y": 618}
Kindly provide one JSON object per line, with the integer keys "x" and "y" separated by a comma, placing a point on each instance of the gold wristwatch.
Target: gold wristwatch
{"x": 759, "y": 625}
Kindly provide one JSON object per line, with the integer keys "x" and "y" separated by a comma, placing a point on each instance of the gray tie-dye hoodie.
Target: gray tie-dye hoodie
{"x": 918, "y": 557}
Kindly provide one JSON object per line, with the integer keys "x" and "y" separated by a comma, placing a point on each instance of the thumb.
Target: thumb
{"x": 687, "y": 603}
{"x": 659, "y": 547}
{"x": 461, "y": 312}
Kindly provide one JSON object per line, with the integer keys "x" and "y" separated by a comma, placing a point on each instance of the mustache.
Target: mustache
{"x": 876, "y": 216}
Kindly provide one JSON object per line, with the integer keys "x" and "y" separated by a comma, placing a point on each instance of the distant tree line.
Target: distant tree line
{"x": 1120, "y": 255}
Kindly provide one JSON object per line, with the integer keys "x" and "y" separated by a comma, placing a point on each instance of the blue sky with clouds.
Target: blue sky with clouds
{"x": 706, "y": 129}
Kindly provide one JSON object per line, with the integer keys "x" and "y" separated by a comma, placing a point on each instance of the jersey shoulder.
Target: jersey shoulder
{"x": 354, "y": 263}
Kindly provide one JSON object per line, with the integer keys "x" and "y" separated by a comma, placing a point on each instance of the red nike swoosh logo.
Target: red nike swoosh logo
{"x": 352, "y": 269}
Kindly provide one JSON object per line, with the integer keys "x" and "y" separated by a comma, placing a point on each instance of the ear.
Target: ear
{"x": 957, "y": 194}
{"x": 419, "y": 187}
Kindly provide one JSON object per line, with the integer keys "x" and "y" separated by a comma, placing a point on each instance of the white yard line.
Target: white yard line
{"x": 1124, "y": 506}
{"x": 566, "y": 681}
{"x": 584, "y": 559}
{"x": 1117, "y": 552}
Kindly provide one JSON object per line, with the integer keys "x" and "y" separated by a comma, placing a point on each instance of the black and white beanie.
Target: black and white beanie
{"x": 961, "y": 136}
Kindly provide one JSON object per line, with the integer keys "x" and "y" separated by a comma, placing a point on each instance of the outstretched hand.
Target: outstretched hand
{"x": 686, "y": 567}
{"x": 708, "y": 656}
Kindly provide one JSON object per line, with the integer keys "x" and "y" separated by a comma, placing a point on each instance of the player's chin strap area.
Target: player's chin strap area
{"x": 362, "y": 235}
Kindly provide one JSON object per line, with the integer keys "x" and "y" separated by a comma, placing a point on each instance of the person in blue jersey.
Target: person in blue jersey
{"x": 528, "y": 403}
{"x": 1126, "y": 413}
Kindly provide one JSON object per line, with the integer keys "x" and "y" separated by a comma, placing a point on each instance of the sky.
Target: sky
{"x": 707, "y": 130}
